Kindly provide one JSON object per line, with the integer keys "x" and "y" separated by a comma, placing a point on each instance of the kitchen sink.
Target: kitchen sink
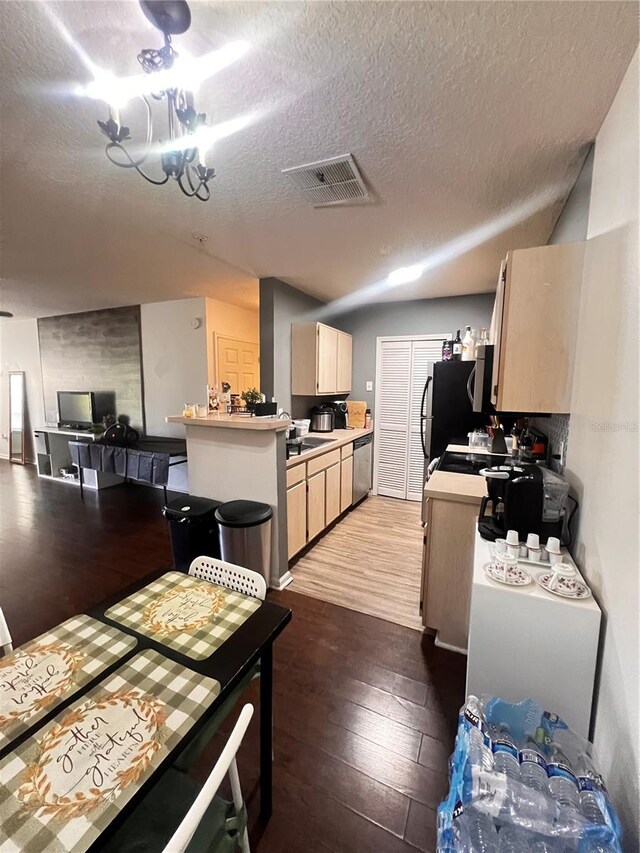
{"x": 310, "y": 442}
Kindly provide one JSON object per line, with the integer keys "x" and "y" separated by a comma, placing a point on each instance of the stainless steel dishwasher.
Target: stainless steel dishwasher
{"x": 362, "y": 467}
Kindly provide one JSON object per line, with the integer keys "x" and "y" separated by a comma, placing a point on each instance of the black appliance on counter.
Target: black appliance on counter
{"x": 468, "y": 463}
{"x": 528, "y": 498}
{"x": 446, "y": 412}
{"x": 340, "y": 414}
{"x": 322, "y": 418}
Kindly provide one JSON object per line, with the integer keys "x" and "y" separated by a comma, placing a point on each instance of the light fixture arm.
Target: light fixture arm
{"x": 169, "y": 16}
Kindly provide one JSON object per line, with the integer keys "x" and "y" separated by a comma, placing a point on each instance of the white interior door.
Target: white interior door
{"x": 402, "y": 370}
{"x": 238, "y": 363}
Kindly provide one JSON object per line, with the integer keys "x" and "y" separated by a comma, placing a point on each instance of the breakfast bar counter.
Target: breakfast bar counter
{"x": 223, "y": 421}
{"x": 235, "y": 457}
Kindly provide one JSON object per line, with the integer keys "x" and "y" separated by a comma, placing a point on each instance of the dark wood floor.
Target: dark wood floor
{"x": 365, "y": 710}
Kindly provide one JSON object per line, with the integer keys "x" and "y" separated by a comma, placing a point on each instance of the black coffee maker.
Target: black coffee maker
{"x": 526, "y": 498}
{"x": 341, "y": 414}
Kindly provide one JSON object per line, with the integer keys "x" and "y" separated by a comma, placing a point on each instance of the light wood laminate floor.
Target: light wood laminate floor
{"x": 370, "y": 562}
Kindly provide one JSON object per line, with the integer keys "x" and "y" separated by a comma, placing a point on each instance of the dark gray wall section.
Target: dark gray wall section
{"x": 419, "y": 317}
{"x": 93, "y": 351}
{"x": 280, "y": 306}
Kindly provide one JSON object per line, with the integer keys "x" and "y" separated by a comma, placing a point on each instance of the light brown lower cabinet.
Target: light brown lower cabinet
{"x": 296, "y": 518}
{"x": 317, "y": 492}
{"x": 450, "y": 527}
{"x": 346, "y": 483}
{"x": 332, "y": 493}
{"x": 315, "y": 505}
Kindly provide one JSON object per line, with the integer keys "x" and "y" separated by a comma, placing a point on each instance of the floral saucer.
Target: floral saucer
{"x": 515, "y": 575}
{"x": 565, "y": 587}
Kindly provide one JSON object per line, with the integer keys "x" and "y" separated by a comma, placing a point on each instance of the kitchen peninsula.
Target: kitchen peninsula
{"x": 235, "y": 457}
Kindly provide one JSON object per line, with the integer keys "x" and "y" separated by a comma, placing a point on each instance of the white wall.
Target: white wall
{"x": 174, "y": 368}
{"x": 231, "y": 321}
{"x": 19, "y": 350}
{"x": 602, "y": 461}
{"x": 174, "y": 361}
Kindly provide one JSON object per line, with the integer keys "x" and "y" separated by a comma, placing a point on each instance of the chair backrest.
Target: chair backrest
{"x": 226, "y": 574}
{"x": 6, "y": 643}
{"x": 180, "y": 839}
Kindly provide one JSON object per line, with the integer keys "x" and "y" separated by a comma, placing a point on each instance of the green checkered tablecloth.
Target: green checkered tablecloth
{"x": 191, "y": 616}
{"x": 63, "y": 786}
{"x": 38, "y": 676}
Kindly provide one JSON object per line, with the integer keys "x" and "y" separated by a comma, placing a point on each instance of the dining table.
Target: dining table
{"x": 95, "y": 710}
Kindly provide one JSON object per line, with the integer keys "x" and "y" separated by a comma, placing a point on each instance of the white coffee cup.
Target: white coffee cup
{"x": 523, "y": 549}
{"x": 533, "y": 540}
{"x": 561, "y": 570}
{"x": 512, "y": 537}
{"x": 553, "y": 550}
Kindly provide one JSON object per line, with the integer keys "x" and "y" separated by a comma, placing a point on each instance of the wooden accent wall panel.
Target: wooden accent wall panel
{"x": 94, "y": 351}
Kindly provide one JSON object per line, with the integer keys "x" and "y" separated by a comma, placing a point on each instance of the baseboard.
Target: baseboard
{"x": 282, "y": 582}
{"x": 441, "y": 645}
{"x": 5, "y": 456}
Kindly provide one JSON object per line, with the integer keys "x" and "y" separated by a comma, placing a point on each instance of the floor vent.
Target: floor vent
{"x": 330, "y": 182}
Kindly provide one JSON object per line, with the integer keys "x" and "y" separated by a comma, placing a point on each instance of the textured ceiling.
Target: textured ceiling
{"x": 460, "y": 115}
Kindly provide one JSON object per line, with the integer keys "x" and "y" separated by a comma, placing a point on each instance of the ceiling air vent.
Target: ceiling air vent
{"x": 330, "y": 182}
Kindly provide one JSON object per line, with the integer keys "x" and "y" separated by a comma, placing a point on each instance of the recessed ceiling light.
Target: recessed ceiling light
{"x": 403, "y": 275}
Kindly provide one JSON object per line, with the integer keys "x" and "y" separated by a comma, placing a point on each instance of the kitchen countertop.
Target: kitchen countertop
{"x": 466, "y": 488}
{"x": 464, "y": 448}
{"x": 340, "y": 438}
{"x": 232, "y": 422}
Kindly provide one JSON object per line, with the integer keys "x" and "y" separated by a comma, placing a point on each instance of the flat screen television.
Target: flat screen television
{"x": 76, "y": 409}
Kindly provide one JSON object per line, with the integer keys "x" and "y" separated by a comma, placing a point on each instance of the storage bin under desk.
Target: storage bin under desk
{"x": 525, "y": 642}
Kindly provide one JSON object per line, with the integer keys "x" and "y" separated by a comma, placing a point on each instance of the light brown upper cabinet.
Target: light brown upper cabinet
{"x": 320, "y": 360}
{"x": 536, "y": 315}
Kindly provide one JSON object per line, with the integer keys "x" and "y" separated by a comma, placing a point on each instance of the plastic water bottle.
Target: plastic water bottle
{"x": 512, "y": 839}
{"x": 588, "y": 781}
{"x": 480, "y": 754}
{"x": 563, "y": 785}
{"x": 478, "y": 832}
{"x": 505, "y": 752}
{"x": 533, "y": 767}
{"x": 549, "y": 845}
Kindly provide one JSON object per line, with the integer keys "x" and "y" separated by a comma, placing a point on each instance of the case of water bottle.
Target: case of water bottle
{"x": 521, "y": 780}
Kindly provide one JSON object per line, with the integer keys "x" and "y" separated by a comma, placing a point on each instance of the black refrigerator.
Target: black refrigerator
{"x": 446, "y": 414}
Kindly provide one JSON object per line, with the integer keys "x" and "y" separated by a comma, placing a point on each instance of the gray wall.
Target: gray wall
{"x": 571, "y": 227}
{"x": 419, "y": 317}
{"x": 280, "y": 306}
{"x": 93, "y": 351}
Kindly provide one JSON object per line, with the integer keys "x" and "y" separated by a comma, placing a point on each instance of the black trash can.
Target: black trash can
{"x": 193, "y": 528}
{"x": 245, "y": 535}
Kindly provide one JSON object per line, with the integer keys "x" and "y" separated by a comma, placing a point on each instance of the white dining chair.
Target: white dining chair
{"x": 6, "y": 643}
{"x": 177, "y": 814}
{"x": 225, "y": 764}
{"x": 230, "y": 576}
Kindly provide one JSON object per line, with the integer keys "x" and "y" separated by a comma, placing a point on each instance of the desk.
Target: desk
{"x": 187, "y": 692}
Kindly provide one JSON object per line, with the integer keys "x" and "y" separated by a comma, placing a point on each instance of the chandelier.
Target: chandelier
{"x": 180, "y": 156}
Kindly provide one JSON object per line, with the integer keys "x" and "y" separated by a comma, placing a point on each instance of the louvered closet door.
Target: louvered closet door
{"x": 423, "y": 353}
{"x": 402, "y": 373}
{"x": 391, "y": 456}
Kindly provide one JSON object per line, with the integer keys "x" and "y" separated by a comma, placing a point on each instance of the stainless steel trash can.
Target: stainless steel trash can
{"x": 245, "y": 535}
